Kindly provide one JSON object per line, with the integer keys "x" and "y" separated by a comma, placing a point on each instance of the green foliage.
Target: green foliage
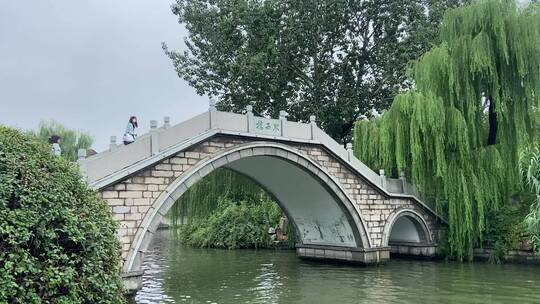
{"x": 505, "y": 228}
{"x": 529, "y": 162}
{"x": 57, "y": 238}
{"x": 335, "y": 59}
{"x": 201, "y": 200}
{"x": 233, "y": 225}
{"x": 70, "y": 141}
{"x": 226, "y": 210}
{"x": 457, "y": 135}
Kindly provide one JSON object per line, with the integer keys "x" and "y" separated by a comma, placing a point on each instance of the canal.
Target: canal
{"x": 179, "y": 274}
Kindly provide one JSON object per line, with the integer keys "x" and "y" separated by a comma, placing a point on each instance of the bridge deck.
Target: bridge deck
{"x": 120, "y": 161}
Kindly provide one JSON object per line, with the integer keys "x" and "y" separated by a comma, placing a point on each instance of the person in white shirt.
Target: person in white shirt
{"x": 54, "y": 140}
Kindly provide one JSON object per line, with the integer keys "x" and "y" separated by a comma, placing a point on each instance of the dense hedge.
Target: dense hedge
{"x": 57, "y": 239}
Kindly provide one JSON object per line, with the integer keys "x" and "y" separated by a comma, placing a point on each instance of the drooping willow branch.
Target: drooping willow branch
{"x": 441, "y": 135}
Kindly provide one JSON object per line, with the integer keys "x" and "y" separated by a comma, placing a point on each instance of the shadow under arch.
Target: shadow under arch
{"x": 412, "y": 228}
{"x": 321, "y": 210}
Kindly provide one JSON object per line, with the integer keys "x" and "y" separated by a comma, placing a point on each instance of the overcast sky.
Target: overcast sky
{"x": 90, "y": 65}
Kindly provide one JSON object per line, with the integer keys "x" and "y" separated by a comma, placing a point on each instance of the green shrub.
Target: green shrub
{"x": 233, "y": 225}
{"x": 532, "y": 222}
{"x": 505, "y": 228}
{"x": 529, "y": 166}
{"x": 57, "y": 239}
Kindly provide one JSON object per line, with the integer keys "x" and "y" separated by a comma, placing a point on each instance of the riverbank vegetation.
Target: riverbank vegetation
{"x": 58, "y": 240}
{"x": 225, "y": 210}
{"x": 458, "y": 134}
{"x": 233, "y": 225}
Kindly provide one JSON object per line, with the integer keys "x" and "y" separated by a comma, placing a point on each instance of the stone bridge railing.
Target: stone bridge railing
{"x": 103, "y": 168}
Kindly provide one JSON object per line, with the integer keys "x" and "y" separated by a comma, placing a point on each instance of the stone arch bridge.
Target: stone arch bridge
{"x": 342, "y": 210}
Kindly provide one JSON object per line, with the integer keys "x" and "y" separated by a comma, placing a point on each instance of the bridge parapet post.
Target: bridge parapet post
{"x": 166, "y": 122}
{"x": 249, "y": 117}
{"x": 383, "y": 178}
{"x": 154, "y": 137}
{"x": 283, "y": 121}
{"x": 81, "y": 154}
{"x": 350, "y": 152}
{"x": 212, "y": 114}
{"x": 81, "y": 160}
{"x": 112, "y": 143}
{"x": 403, "y": 181}
{"x": 312, "y": 124}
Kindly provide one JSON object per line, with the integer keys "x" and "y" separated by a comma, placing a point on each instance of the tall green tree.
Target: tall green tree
{"x": 458, "y": 134}
{"x": 336, "y": 59}
{"x": 70, "y": 140}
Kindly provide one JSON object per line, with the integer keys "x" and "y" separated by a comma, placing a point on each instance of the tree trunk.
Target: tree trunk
{"x": 492, "y": 121}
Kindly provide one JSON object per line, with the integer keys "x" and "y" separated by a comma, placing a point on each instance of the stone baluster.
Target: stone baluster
{"x": 313, "y": 124}
{"x": 403, "y": 181}
{"x": 283, "y": 121}
{"x": 112, "y": 143}
{"x": 350, "y": 153}
{"x": 212, "y": 112}
{"x": 81, "y": 160}
{"x": 383, "y": 178}
{"x": 166, "y": 122}
{"x": 249, "y": 118}
{"x": 154, "y": 137}
{"x": 81, "y": 154}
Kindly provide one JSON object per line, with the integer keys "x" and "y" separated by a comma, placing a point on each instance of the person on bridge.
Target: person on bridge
{"x": 130, "y": 135}
{"x": 54, "y": 140}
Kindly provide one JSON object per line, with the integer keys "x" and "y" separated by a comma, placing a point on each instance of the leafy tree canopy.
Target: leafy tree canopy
{"x": 458, "y": 134}
{"x": 336, "y": 59}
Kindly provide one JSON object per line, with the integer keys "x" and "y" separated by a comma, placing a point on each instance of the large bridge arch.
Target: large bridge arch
{"x": 322, "y": 210}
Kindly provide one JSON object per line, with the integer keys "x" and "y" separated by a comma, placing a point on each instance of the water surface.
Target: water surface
{"x": 180, "y": 274}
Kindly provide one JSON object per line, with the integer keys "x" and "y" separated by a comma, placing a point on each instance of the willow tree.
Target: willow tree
{"x": 457, "y": 134}
{"x": 201, "y": 200}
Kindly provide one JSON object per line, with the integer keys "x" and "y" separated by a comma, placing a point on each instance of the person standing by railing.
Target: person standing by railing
{"x": 130, "y": 135}
{"x": 54, "y": 140}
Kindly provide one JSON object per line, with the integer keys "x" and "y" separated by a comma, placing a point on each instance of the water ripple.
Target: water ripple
{"x": 176, "y": 274}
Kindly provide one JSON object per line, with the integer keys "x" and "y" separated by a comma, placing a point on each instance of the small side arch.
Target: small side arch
{"x": 412, "y": 228}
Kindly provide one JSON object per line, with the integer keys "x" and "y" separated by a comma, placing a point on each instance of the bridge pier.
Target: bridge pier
{"x": 407, "y": 249}
{"x": 132, "y": 281}
{"x": 363, "y": 256}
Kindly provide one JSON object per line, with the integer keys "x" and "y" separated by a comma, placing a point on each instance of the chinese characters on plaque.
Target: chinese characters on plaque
{"x": 267, "y": 126}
